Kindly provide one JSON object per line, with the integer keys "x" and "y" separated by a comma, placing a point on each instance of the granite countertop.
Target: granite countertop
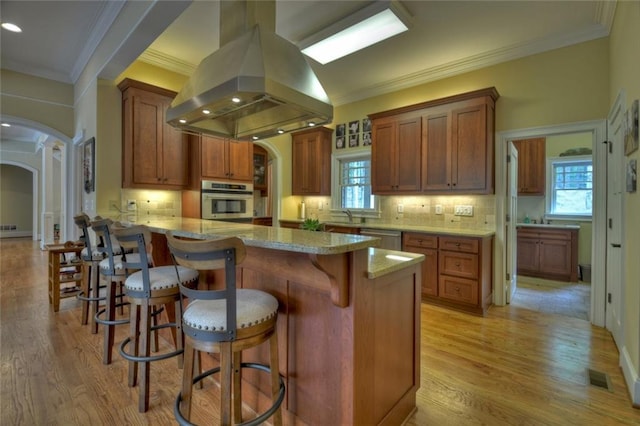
{"x": 277, "y": 238}
{"x": 467, "y": 232}
{"x": 382, "y": 262}
{"x": 548, "y": 225}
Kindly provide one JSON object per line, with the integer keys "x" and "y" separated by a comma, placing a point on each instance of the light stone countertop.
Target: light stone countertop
{"x": 382, "y": 262}
{"x": 467, "y": 232}
{"x": 275, "y": 237}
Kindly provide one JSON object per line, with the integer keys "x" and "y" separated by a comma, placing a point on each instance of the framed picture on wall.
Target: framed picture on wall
{"x": 89, "y": 165}
{"x": 341, "y": 130}
{"x": 353, "y": 140}
{"x": 354, "y": 127}
{"x": 340, "y": 142}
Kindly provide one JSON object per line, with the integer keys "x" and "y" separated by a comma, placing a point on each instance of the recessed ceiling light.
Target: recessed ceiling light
{"x": 206, "y": 111}
{"x": 311, "y": 124}
{"x": 182, "y": 121}
{"x": 11, "y": 27}
{"x": 6, "y": 125}
{"x": 235, "y": 99}
{"x": 255, "y": 138}
{"x": 280, "y": 131}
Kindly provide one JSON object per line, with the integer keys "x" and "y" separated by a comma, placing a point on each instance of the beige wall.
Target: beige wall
{"x": 16, "y": 193}
{"x": 625, "y": 75}
{"x": 86, "y": 127}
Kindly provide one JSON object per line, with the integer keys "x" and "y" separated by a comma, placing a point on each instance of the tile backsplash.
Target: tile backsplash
{"x": 436, "y": 211}
{"x": 150, "y": 202}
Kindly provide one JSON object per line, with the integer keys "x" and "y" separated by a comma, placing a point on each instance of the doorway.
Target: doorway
{"x": 597, "y": 132}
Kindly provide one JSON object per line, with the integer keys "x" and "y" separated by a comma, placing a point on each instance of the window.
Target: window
{"x": 571, "y": 187}
{"x": 352, "y": 183}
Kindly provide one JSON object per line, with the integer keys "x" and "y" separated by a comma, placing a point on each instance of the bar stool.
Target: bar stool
{"x": 89, "y": 294}
{"x": 149, "y": 286}
{"x": 225, "y": 321}
{"x": 114, "y": 275}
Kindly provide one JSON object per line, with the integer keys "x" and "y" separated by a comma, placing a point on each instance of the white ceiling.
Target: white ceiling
{"x": 60, "y": 38}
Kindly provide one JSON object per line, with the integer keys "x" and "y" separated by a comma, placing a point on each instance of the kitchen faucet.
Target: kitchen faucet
{"x": 349, "y": 214}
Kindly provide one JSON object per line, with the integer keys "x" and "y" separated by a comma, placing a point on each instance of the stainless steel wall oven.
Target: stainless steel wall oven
{"x": 226, "y": 200}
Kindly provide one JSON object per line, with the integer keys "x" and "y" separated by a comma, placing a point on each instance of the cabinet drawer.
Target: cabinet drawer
{"x": 411, "y": 239}
{"x": 551, "y": 234}
{"x": 459, "y": 264}
{"x": 458, "y": 289}
{"x": 467, "y": 245}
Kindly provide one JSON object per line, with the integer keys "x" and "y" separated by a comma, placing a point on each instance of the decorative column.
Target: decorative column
{"x": 47, "y": 195}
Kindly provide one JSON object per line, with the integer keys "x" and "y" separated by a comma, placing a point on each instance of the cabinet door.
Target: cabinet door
{"x": 396, "y": 155}
{"x": 531, "y": 166}
{"x": 383, "y": 157}
{"x": 408, "y": 148}
{"x": 555, "y": 257}
{"x": 240, "y": 160}
{"x": 260, "y": 169}
{"x": 213, "y": 158}
{"x": 470, "y": 159}
{"x": 175, "y": 156}
{"x": 528, "y": 255}
{"x": 147, "y": 124}
{"x": 436, "y": 154}
{"x": 311, "y": 162}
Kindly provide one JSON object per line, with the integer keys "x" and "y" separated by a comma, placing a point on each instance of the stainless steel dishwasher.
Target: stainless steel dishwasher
{"x": 391, "y": 240}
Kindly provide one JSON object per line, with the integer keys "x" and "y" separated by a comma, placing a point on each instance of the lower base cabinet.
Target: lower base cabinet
{"x": 457, "y": 271}
{"x": 550, "y": 253}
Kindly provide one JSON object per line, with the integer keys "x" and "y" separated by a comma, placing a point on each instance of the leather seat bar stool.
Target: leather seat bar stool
{"x": 114, "y": 274}
{"x": 145, "y": 288}
{"x": 225, "y": 321}
{"x": 89, "y": 294}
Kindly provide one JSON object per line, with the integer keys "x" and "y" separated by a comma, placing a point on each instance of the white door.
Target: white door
{"x": 511, "y": 239}
{"x": 615, "y": 232}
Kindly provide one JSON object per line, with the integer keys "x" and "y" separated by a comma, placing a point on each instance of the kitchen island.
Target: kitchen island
{"x": 348, "y": 324}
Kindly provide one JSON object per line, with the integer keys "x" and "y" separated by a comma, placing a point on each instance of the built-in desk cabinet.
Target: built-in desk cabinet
{"x": 550, "y": 253}
{"x": 154, "y": 154}
{"x": 457, "y": 271}
{"x": 444, "y": 146}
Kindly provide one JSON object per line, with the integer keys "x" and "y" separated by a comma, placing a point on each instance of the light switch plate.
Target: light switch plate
{"x": 400, "y": 208}
{"x": 438, "y": 208}
{"x": 463, "y": 210}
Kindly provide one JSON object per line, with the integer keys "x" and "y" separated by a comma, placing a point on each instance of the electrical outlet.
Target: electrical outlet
{"x": 438, "y": 208}
{"x": 400, "y": 208}
{"x": 132, "y": 205}
{"x": 463, "y": 211}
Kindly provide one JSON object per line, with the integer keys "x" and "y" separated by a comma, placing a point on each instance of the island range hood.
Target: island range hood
{"x": 256, "y": 85}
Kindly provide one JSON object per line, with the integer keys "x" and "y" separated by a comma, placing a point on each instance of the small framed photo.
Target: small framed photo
{"x": 366, "y": 139}
{"x": 366, "y": 125}
{"x": 354, "y": 140}
{"x": 341, "y": 130}
{"x": 354, "y": 127}
{"x": 340, "y": 142}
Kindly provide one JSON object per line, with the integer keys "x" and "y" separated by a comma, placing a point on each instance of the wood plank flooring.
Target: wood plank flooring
{"x": 513, "y": 367}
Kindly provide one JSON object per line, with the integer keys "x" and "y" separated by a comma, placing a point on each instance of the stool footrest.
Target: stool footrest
{"x": 111, "y": 322}
{"x": 253, "y": 422}
{"x": 134, "y": 358}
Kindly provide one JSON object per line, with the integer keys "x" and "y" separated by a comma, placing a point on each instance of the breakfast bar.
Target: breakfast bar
{"x": 348, "y": 324}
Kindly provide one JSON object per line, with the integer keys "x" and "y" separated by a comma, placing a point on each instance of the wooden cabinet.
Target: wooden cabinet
{"x": 311, "y": 162}
{"x": 427, "y": 245}
{"x": 226, "y": 159}
{"x": 457, "y": 271}
{"x": 264, "y": 221}
{"x": 531, "y": 166}
{"x": 260, "y": 169}
{"x": 155, "y": 155}
{"x": 65, "y": 272}
{"x": 292, "y": 224}
{"x": 395, "y": 157}
{"x": 455, "y": 150}
{"x": 550, "y": 253}
{"x": 458, "y": 147}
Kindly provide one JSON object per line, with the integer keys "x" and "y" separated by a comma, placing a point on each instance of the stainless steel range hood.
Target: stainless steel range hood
{"x": 276, "y": 88}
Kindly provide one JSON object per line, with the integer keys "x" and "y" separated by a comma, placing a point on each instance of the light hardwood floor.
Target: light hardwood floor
{"x": 513, "y": 367}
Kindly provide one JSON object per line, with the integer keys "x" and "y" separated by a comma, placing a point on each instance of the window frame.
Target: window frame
{"x": 336, "y": 192}
{"x": 551, "y": 161}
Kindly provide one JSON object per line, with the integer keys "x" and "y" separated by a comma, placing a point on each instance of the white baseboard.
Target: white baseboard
{"x": 630, "y": 376}
{"x": 14, "y": 234}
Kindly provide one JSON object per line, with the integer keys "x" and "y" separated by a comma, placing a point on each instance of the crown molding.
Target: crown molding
{"x": 171, "y": 63}
{"x": 605, "y": 12}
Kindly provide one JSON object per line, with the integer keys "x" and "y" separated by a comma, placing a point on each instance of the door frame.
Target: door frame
{"x": 598, "y": 130}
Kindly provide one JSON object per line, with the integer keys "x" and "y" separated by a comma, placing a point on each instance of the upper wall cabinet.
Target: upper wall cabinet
{"x": 311, "y": 162}
{"x": 154, "y": 154}
{"x": 395, "y": 157}
{"x": 456, "y": 147}
{"x": 531, "y": 166}
{"x": 226, "y": 159}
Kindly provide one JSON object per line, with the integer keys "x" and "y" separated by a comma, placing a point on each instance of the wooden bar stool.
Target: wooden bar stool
{"x": 225, "y": 321}
{"x": 148, "y": 287}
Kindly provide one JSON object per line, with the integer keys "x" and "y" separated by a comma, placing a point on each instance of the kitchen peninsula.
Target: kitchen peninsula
{"x": 349, "y": 318}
